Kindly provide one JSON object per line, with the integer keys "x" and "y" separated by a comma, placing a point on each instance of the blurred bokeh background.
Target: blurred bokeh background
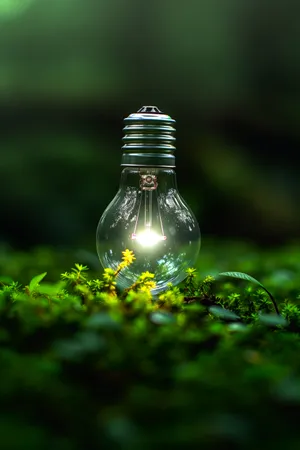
{"x": 227, "y": 70}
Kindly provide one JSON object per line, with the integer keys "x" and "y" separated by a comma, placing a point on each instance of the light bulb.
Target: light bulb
{"x": 148, "y": 215}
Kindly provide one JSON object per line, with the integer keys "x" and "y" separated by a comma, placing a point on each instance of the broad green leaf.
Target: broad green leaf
{"x": 272, "y": 320}
{"x": 241, "y": 276}
{"x": 246, "y": 277}
{"x": 36, "y": 280}
{"x": 51, "y": 288}
{"x": 162, "y": 317}
{"x": 223, "y": 313}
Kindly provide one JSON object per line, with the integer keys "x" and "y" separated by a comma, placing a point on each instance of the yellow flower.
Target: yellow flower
{"x": 150, "y": 284}
{"x": 128, "y": 256}
{"x": 145, "y": 276}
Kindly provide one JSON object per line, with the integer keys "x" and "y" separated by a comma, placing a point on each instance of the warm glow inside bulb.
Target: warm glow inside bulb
{"x": 148, "y": 238}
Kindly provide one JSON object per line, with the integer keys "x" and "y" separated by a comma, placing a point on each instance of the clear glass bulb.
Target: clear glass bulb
{"x": 149, "y": 217}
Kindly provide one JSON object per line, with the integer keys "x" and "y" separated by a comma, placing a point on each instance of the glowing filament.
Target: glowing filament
{"x": 148, "y": 238}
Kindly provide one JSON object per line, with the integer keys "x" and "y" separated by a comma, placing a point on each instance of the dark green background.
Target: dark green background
{"x": 226, "y": 70}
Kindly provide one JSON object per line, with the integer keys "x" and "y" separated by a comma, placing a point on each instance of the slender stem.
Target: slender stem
{"x": 273, "y": 301}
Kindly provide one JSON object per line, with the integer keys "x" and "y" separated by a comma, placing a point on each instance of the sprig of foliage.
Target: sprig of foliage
{"x": 190, "y": 283}
{"x": 76, "y": 276}
{"x": 172, "y": 299}
{"x": 10, "y": 289}
{"x": 291, "y": 312}
{"x": 145, "y": 283}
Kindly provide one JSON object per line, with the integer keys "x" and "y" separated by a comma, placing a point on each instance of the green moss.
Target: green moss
{"x": 209, "y": 363}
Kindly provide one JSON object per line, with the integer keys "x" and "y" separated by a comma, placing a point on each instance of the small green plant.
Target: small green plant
{"x": 190, "y": 284}
{"x": 172, "y": 299}
{"x": 77, "y": 278}
{"x": 291, "y": 312}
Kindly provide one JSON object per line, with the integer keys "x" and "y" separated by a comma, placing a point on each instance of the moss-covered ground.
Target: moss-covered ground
{"x": 209, "y": 364}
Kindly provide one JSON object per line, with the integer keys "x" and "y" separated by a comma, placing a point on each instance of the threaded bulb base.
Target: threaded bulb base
{"x": 149, "y": 139}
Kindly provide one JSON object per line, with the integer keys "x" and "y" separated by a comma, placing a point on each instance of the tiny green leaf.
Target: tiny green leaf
{"x": 36, "y": 280}
{"x": 246, "y": 277}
